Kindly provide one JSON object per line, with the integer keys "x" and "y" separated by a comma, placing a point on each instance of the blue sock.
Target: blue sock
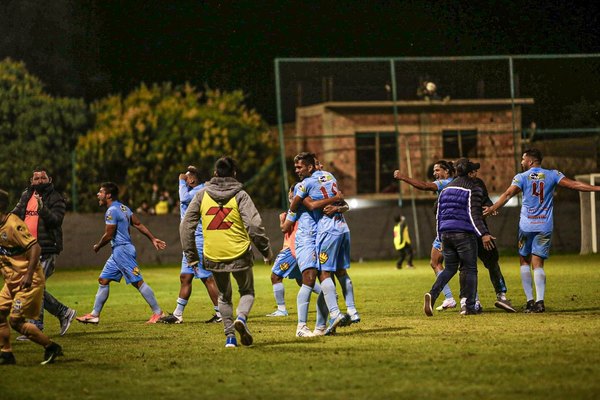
{"x": 302, "y": 302}
{"x": 181, "y": 303}
{"x": 446, "y": 289}
{"x": 539, "y": 276}
{"x": 148, "y": 295}
{"x": 328, "y": 290}
{"x": 101, "y": 297}
{"x": 348, "y": 292}
{"x": 279, "y": 292}
{"x": 322, "y": 311}
{"x": 527, "y": 282}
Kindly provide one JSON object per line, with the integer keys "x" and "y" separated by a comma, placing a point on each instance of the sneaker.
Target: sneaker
{"x": 155, "y": 317}
{"x": 245, "y": 336}
{"x": 22, "y": 338}
{"x": 278, "y": 313}
{"x": 529, "y": 307}
{"x": 465, "y": 311}
{"x": 7, "y": 357}
{"x": 171, "y": 319}
{"x": 505, "y": 304}
{"x": 230, "y": 342}
{"x": 355, "y": 319}
{"x": 341, "y": 319}
{"x": 52, "y": 351}
{"x": 539, "y": 307}
{"x": 303, "y": 331}
{"x": 428, "y": 307}
{"x": 65, "y": 322}
{"x": 215, "y": 319}
{"x": 319, "y": 331}
{"x": 478, "y": 307}
{"x": 89, "y": 319}
{"x": 447, "y": 303}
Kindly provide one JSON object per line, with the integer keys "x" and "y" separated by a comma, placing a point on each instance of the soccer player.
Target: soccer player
{"x": 23, "y": 291}
{"x": 443, "y": 172}
{"x": 189, "y": 185}
{"x": 230, "y": 223}
{"x": 536, "y": 220}
{"x": 122, "y": 262}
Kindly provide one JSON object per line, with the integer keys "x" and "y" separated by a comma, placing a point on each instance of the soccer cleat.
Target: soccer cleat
{"x": 52, "y": 351}
{"x": 319, "y": 331}
{"x": 65, "y": 322}
{"x": 245, "y": 336}
{"x": 230, "y": 342}
{"x": 447, "y": 303}
{"x": 354, "y": 319}
{"x": 539, "y": 307}
{"x": 156, "y": 317}
{"x": 303, "y": 331}
{"x": 428, "y": 306}
{"x": 505, "y": 304}
{"x": 478, "y": 307}
{"x": 171, "y": 319}
{"x": 278, "y": 313}
{"x": 214, "y": 319}
{"x": 7, "y": 357}
{"x": 89, "y": 319}
{"x": 340, "y": 320}
{"x": 529, "y": 307}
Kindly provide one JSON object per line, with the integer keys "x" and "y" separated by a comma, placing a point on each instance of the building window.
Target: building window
{"x": 376, "y": 160}
{"x": 459, "y": 144}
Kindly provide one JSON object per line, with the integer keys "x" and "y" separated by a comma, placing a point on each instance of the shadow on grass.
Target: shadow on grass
{"x": 91, "y": 332}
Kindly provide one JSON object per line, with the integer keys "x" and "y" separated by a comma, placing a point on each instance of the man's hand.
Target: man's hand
{"x": 26, "y": 281}
{"x": 269, "y": 258}
{"x": 488, "y": 241}
{"x": 159, "y": 244}
{"x": 183, "y": 177}
{"x": 487, "y": 212}
{"x": 330, "y": 210}
{"x": 397, "y": 174}
{"x": 39, "y": 200}
{"x": 96, "y": 247}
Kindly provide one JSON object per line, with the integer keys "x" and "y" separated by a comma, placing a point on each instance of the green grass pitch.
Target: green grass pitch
{"x": 396, "y": 352}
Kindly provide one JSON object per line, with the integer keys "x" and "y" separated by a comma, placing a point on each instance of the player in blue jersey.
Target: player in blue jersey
{"x": 189, "y": 185}
{"x": 536, "y": 221}
{"x": 122, "y": 262}
{"x": 443, "y": 172}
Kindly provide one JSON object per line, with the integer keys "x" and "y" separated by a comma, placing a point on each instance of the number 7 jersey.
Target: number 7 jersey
{"x": 537, "y": 185}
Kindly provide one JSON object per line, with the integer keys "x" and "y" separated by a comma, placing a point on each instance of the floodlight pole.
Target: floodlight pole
{"x": 284, "y": 177}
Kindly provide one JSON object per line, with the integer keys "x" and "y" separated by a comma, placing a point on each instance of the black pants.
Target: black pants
{"x": 405, "y": 252}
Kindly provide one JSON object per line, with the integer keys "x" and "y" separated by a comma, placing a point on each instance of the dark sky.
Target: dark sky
{"x": 92, "y": 48}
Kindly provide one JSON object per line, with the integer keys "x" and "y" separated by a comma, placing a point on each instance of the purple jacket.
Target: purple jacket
{"x": 460, "y": 208}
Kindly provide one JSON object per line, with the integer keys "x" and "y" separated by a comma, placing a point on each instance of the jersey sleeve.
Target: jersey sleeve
{"x": 111, "y": 216}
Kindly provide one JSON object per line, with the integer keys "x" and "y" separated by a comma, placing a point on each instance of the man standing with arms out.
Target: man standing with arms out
{"x": 230, "y": 223}
{"x": 536, "y": 221}
{"x": 402, "y": 242}
{"x": 459, "y": 223}
{"x": 23, "y": 290}
{"x": 122, "y": 262}
{"x": 43, "y": 209}
{"x": 189, "y": 185}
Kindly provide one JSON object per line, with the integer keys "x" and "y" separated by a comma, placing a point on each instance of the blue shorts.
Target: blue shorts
{"x": 198, "y": 271}
{"x": 437, "y": 244}
{"x": 122, "y": 263}
{"x": 333, "y": 251}
{"x": 306, "y": 257}
{"x": 536, "y": 243}
{"x": 286, "y": 266}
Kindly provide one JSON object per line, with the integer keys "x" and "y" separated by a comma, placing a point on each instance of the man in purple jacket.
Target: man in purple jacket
{"x": 459, "y": 224}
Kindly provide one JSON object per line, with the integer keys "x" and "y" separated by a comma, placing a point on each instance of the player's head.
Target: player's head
{"x": 465, "y": 167}
{"x": 531, "y": 158}
{"x": 399, "y": 218}
{"x": 305, "y": 164}
{"x": 108, "y": 193}
{"x": 40, "y": 177}
{"x": 443, "y": 169}
{"x": 3, "y": 201}
{"x": 291, "y": 193}
{"x": 225, "y": 167}
{"x": 193, "y": 175}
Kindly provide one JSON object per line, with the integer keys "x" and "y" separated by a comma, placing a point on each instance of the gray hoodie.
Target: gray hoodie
{"x": 222, "y": 190}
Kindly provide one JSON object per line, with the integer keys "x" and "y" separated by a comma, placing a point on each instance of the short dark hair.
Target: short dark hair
{"x": 307, "y": 158}
{"x": 464, "y": 166}
{"x": 40, "y": 168}
{"x": 3, "y": 201}
{"x": 225, "y": 167}
{"x": 192, "y": 170}
{"x": 447, "y": 165}
{"x": 111, "y": 188}
{"x": 535, "y": 154}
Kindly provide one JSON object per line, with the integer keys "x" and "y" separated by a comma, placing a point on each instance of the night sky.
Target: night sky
{"x": 92, "y": 48}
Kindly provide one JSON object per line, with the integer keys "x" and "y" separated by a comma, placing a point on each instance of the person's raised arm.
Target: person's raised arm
{"x": 576, "y": 185}
{"x": 421, "y": 185}
{"x": 502, "y": 200}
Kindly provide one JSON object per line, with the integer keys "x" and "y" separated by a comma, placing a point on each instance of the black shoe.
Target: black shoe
{"x": 52, "y": 352}
{"x": 214, "y": 319}
{"x": 539, "y": 307}
{"x": 7, "y": 358}
{"x": 529, "y": 307}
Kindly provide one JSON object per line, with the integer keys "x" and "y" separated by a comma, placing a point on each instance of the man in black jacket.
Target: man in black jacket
{"x": 43, "y": 209}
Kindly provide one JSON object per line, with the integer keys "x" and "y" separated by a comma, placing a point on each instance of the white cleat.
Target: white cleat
{"x": 447, "y": 303}
{"x": 319, "y": 331}
{"x": 278, "y": 313}
{"x": 303, "y": 331}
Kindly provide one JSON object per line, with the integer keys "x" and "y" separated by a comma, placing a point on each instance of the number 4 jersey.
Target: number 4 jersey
{"x": 537, "y": 185}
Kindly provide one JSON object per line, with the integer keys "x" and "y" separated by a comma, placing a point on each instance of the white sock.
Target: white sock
{"x": 181, "y": 303}
{"x": 527, "y": 282}
{"x": 539, "y": 276}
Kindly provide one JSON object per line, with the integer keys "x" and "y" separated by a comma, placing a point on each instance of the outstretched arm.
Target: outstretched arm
{"x": 421, "y": 185}
{"x": 504, "y": 198}
{"x": 137, "y": 224}
{"x": 576, "y": 185}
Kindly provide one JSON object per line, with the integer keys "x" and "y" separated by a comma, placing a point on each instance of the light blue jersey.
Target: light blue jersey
{"x": 186, "y": 195}
{"x": 537, "y": 185}
{"x": 120, "y": 215}
{"x": 306, "y": 235}
{"x": 323, "y": 185}
{"x": 441, "y": 184}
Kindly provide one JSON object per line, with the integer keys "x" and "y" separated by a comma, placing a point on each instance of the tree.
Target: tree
{"x": 156, "y": 131}
{"x": 36, "y": 129}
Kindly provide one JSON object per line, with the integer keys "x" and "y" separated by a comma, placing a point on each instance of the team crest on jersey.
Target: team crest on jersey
{"x": 537, "y": 176}
{"x": 123, "y": 208}
{"x": 284, "y": 266}
{"x": 136, "y": 271}
{"x": 323, "y": 257}
{"x": 325, "y": 178}
{"x": 301, "y": 188}
{"x": 109, "y": 216}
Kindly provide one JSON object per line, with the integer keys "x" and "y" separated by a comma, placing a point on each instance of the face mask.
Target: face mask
{"x": 41, "y": 187}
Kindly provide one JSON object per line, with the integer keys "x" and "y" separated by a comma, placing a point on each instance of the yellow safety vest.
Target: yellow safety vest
{"x": 401, "y": 238}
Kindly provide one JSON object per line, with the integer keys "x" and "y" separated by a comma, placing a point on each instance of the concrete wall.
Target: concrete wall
{"x": 371, "y": 231}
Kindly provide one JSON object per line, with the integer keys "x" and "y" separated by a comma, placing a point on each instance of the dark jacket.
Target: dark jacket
{"x": 50, "y": 218}
{"x": 460, "y": 208}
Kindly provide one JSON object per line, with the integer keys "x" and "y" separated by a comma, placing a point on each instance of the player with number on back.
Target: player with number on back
{"x": 536, "y": 221}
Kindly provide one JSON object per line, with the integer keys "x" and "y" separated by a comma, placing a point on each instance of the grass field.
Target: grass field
{"x": 396, "y": 352}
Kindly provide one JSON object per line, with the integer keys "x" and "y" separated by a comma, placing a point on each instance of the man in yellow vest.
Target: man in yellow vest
{"x": 402, "y": 242}
{"x": 231, "y": 223}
